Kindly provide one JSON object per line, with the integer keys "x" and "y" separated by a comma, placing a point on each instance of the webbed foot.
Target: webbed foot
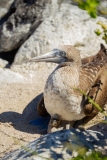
{"x": 41, "y": 122}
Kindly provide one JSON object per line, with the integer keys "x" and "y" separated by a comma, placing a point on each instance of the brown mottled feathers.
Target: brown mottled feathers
{"x": 87, "y": 59}
{"x": 98, "y": 93}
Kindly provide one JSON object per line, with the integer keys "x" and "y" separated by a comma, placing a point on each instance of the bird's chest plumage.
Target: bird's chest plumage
{"x": 59, "y": 94}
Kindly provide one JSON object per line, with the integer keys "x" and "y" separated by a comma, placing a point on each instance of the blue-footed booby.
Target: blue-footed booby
{"x": 61, "y": 99}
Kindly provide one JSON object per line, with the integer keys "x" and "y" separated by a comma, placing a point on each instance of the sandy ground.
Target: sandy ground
{"x": 17, "y": 107}
{"x": 16, "y": 110}
{"x": 18, "y": 103}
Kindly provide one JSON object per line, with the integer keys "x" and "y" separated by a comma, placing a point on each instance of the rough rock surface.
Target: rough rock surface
{"x": 4, "y": 7}
{"x": 66, "y": 24}
{"x": 61, "y": 145}
{"x": 8, "y": 76}
{"x": 3, "y": 63}
{"x": 21, "y": 24}
{"x": 103, "y": 8}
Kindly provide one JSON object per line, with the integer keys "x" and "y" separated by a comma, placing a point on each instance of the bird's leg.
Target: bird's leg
{"x": 54, "y": 124}
{"x": 63, "y": 125}
{"x": 55, "y": 120}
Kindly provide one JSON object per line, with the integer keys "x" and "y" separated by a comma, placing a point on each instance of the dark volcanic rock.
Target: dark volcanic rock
{"x": 21, "y": 24}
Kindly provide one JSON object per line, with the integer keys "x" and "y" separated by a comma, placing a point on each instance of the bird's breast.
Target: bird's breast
{"x": 60, "y": 97}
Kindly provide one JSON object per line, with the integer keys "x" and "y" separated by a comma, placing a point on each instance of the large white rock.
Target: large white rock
{"x": 8, "y": 76}
{"x": 3, "y": 63}
{"x": 103, "y": 8}
{"x": 64, "y": 24}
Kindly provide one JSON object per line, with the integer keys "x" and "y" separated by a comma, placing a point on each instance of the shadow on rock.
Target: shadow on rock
{"x": 61, "y": 144}
{"x": 21, "y": 121}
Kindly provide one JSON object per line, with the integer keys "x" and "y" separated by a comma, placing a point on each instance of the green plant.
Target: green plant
{"x": 91, "y": 101}
{"x": 91, "y": 156}
{"x": 90, "y": 6}
{"x": 104, "y": 32}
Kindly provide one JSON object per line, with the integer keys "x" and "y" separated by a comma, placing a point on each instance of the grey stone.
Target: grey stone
{"x": 103, "y": 8}
{"x": 64, "y": 24}
{"x": 61, "y": 145}
{"x": 21, "y": 24}
{"x": 3, "y": 63}
{"x": 8, "y": 76}
{"x": 4, "y": 7}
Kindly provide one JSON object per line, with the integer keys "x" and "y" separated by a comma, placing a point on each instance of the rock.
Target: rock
{"x": 4, "y": 7}
{"x": 61, "y": 145}
{"x": 8, "y": 76}
{"x": 3, "y": 63}
{"x": 103, "y": 8}
{"x": 21, "y": 24}
{"x": 64, "y": 25}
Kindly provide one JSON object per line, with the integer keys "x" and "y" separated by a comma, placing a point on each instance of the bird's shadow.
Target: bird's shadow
{"x": 21, "y": 121}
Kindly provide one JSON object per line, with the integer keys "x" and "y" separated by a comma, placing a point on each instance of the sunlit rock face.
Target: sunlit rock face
{"x": 63, "y": 24}
{"x": 35, "y": 27}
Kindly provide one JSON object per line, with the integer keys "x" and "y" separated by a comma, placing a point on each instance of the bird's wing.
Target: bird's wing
{"x": 41, "y": 108}
{"x": 98, "y": 94}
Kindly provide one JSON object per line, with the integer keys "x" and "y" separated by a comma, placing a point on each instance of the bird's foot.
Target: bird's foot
{"x": 62, "y": 125}
{"x": 54, "y": 122}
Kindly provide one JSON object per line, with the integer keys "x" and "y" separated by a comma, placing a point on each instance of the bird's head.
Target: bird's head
{"x": 65, "y": 53}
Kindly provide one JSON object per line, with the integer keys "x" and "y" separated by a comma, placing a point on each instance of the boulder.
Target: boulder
{"x": 63, "y": 24}
{"x": 4, "y": 7}
{"x": 3, "y": 63}
{"x": 59, "y": 145}
{"x": 26, "y": 18}
{"x": 103, "y": 8}
{"x": 8, "y": 76}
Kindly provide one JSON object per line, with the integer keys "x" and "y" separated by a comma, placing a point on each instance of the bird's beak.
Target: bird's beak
{"x": 55, "y": 56}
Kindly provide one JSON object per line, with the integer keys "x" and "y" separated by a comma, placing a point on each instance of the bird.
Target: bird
{"x": 62, "y": 100}
{"x": 41, "y": 106}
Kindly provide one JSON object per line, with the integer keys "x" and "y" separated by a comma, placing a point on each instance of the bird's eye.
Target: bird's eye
{"x": 63, "y": 54}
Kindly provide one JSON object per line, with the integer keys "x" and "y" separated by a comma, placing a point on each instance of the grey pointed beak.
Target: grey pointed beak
{"x": 55, "y": 56}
